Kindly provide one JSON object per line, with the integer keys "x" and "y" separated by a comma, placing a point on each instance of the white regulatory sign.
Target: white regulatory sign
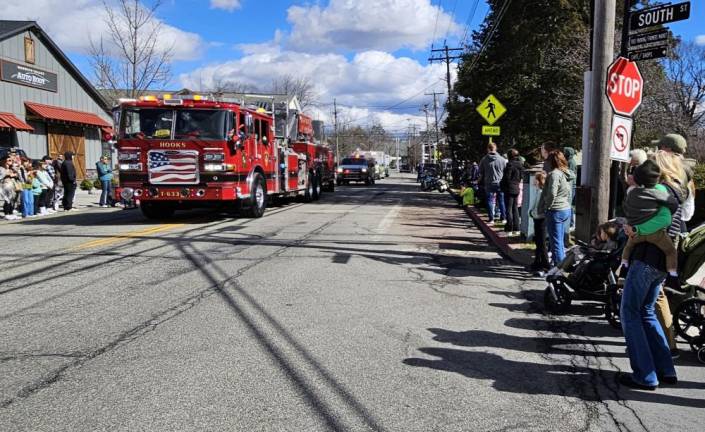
{"x": 621, "y": 138}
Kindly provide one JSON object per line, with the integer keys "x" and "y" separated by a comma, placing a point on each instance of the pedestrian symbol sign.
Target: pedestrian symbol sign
{"x": 491, "y": 109}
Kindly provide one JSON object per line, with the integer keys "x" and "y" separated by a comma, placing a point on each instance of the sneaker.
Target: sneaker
{"x": 10, "y": 217}
{"x": 675, "y": 353}
{"x": 627, "y": 381}
{"x": 490, "y": 223}
{"x": 104, "y": 206}
{"x": 51, "y": 211}
{"x": 503, "y": 222}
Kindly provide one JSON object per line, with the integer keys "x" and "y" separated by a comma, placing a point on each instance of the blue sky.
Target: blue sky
{"x": 371, "y": 55}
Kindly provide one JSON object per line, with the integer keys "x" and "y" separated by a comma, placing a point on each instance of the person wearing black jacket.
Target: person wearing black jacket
{"x": 510, "y": 185}
{"x": 68, "y": 178}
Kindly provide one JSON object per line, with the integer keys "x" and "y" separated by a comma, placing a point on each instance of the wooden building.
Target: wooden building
{"x": 46, "y": 105}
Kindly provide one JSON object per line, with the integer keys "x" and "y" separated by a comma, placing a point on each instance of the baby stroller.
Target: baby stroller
{"x": 587, "y": 274}
{"x": 689, "y": 316}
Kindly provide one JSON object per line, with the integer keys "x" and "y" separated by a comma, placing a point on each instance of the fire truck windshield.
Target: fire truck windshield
{"x": 182, "y": 124}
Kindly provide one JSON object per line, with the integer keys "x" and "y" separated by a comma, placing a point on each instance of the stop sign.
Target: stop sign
{"x": 624, "y": 86}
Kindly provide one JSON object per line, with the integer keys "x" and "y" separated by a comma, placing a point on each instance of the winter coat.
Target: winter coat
{"x": 45, "y": 180}
{"x": 491, "y": 169}
{"x": 557, "y": 192}
{"x": 104, "y": 171}
{"x": 511, "y": 177}
{"x": 68, "y": 170}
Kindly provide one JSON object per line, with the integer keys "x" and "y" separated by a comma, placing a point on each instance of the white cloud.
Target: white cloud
{"x": 73, "y": 31}
{"x": 363, "y": 86}
{"x": 700, "y": 40}
{"x": 228, "y": 5}
{"x": 367, "y": 24}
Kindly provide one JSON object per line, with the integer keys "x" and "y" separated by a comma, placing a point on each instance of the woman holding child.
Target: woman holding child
{"x": 649, "y": 343}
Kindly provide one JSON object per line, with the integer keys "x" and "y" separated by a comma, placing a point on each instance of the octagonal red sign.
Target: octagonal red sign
{"x": 624, "y": 86}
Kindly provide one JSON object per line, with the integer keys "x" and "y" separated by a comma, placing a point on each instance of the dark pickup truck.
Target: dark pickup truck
{"x": 356, "y": 170}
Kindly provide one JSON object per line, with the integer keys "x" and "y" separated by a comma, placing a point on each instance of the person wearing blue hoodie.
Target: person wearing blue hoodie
{"x": 105, "y": 175}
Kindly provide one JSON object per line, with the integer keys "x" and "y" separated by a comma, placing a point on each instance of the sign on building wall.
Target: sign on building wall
{"x": 29, "y": 76}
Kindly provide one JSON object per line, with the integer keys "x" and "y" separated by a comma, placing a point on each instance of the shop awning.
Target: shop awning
{"x": 49, "y": 112}
{"x": 9, "y": 121}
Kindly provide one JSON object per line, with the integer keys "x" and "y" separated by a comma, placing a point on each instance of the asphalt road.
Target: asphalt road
{"x": 377, "y": 308}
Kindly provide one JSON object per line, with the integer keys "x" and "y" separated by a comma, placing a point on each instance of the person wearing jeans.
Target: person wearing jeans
{"x": 495, "y": 197}
{"x": 555, "y": 203}
{"x": 491, "y": 171}
{"x": 105, "y": 174}
{"x": 649, "y": 353}
{"x": 511, "y": 186}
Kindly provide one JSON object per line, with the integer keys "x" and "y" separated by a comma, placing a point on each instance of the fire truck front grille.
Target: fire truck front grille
{"x": 173, "y": 167}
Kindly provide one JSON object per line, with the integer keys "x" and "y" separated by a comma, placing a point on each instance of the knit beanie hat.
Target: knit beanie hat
{"x": 647, "y": 174}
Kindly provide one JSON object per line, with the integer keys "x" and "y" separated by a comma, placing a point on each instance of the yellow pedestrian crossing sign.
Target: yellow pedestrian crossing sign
{"x": 491, "y": 109}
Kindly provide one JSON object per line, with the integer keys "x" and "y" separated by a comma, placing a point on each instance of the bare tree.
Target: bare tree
{"x": 222, "y": 86}
{"x": 131, "y": 60}
{"x": 301, "y": 87}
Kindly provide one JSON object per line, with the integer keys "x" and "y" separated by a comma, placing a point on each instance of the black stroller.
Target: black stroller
{"x": 587, "y": 274}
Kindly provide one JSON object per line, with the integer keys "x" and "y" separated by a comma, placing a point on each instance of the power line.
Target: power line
{"x": 468, "y": 22}
{"x": 452, "y": 19}
{"x": 488, "y": 39}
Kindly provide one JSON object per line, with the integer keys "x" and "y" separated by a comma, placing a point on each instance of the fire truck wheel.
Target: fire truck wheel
{"x": 258, "y": 197}
{"x": 157, "y": 210}
{"x": 308, "y": 194}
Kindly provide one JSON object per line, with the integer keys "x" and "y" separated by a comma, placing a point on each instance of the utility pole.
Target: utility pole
{"x": 335, "y": 115}
{"x": 435, "y": 116}
{"x": 447, "y": 58}
{"x": 601, "y": 114}
{"x": 428, "y": 136}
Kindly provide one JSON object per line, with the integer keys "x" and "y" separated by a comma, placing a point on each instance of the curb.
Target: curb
{"x": 499, "y": 242}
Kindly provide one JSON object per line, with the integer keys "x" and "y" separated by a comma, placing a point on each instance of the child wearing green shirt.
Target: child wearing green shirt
{"x": 648, "y": 208}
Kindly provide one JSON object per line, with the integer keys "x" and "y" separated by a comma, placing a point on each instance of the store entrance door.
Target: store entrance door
{"x": 63, "y": 138}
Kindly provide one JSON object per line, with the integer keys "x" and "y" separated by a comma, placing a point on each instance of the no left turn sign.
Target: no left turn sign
{"x": 621, "y": 138}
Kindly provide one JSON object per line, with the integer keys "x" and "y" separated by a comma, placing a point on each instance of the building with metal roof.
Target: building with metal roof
{"x": 47, "y": 106}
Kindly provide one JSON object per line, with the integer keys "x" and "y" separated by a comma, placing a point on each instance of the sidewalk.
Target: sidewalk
{"x": 83, "y": 201}
{"x": 513, "y": 248}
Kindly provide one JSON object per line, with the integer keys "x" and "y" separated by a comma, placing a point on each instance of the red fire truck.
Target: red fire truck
{"x": 188, "y": 151}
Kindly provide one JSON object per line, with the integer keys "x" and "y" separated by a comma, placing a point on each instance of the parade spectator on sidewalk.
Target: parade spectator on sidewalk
{"x": 511, "y": 187}
{"x": 645, "y": 314}
{"x": 68, "y": 179}
{"x": 541, "y": 263}
{"x": 37, "y": 189}
{"x": 47, "y": 185}
{"x": 675, "y": 178}
{"x": 9, "y": 188}
{"x": 491, "y": 170}
{"x": 53, "y": 175}
{"x": 58, "y": 185}
{"x": 105, "y": 175}
{"x": 555, "y": 202}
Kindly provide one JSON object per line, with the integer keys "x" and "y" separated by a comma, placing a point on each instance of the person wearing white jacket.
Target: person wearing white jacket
{"x": 47, "y": 185}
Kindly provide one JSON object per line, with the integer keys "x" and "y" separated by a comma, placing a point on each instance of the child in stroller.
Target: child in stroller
{"x": 588, "y": 270}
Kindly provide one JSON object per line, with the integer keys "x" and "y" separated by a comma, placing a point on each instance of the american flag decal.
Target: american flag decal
{"x": 173, "y": 166}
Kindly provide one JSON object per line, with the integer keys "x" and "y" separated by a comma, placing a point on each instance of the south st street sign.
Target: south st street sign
{"x": 29, "y": 76}
{"x": 659, "y": 15}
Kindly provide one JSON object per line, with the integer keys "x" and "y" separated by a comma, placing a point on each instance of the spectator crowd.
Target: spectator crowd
{"x": 658, "y": 201}
{"x": 36, "y": 188}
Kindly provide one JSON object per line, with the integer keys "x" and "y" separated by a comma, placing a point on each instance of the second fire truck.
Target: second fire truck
{"x": 182, "y": 152}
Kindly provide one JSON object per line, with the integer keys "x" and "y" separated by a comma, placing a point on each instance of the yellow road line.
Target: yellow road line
{"x": 124, "y": 237}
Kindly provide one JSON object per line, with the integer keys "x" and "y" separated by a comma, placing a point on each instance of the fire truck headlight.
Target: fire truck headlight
{"x": 214, "y": 157}
{"x": 130, "y": 167}
{"x": 364, "y": 170}
{"x": 214, "y": 167}
{"x": 127, "y": 194}
{"x": 128, "y": 156}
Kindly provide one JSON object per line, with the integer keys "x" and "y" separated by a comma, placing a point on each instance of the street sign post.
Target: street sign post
{"x": 490, "y": 130}
{"x": 624, "y": 86}
{"x": 659, "y": 15}
{"x": 491, "y": 109}
{"x": 648, "y": 39}
{"x": 648, "y": 54}
{"x": 621, "y": 137}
